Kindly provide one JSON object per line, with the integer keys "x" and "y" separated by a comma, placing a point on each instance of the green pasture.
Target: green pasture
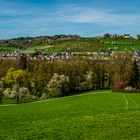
{"x": 95, "y": 45}
{"x": 6, "y": 50}
{"x": 37, "y": 48}
{"x": 82, "y": 45}
{"x": 90, "y": 116}
{"x": 121, "y": 44}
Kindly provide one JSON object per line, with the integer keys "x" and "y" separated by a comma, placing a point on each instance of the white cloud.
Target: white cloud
{"x": 102, "y": 17}
{"x": 20, "y": 19}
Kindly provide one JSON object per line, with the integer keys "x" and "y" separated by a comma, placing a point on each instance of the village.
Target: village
{"x": 59, "y": 56}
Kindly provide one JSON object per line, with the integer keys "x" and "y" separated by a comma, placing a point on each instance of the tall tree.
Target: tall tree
{"x": 120, "y": 64}
{"x": 138, "y": 36}
{"x": 134, "y": 80}
{"x": 23, "y": 61}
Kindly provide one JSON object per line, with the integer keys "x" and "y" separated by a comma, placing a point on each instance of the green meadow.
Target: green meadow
{"x": 101, "y": 115}
{"x": 90, "y": 44}
{"x": 6, "y": 50}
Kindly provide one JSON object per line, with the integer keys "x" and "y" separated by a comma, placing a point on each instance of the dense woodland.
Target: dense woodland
{"x": 23, "y": 78}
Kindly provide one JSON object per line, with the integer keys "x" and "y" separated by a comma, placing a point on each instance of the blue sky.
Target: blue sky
{"x": 84, "y": 17}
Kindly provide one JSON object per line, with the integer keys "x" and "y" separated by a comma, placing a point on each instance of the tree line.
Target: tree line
{"x": 26, "y": 42}
{"x": 23, "y": 78}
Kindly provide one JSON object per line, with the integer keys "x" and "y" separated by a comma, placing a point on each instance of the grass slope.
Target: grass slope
{"x": 6, "y": 50}
{"x": 77, "y": 45}
{"x": 92, "y": 45}
{"x": 82, "y": 45}
{"x": 126, "y": 44}
{"x": 103, "y": 116}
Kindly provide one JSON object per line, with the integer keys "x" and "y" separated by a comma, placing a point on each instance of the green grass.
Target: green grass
{"x": 128, "y": 44}
{"x": 8, "y": 100}
{"x": 37, "y": 48}
{"x": 93, "y": 45}
{"x": 55, "y": 49}
{"x": 78, "y": 45}
{"x": 6, "y": 50}
{"x": 103, "y": 116}
{"x": 82, "y": 45}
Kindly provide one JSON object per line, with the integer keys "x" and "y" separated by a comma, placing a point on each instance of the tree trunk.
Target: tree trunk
{"x": 102, "y": 82}
{"x": 0, "y": 100}
{"x": 109, "y": 81}
{"x": 17, "y": 99}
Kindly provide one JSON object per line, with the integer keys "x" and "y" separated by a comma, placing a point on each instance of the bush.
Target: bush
{"x": 7, "y": 92}
{"x": 30, "y": 97}
{"x": 119, "y": 85}
{"x": 87, "y": 84}
{"x": 45, "y": 95}
{"x": 127, "y": 90}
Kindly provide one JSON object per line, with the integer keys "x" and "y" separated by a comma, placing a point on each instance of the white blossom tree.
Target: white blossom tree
{"x": 58, "y": 85}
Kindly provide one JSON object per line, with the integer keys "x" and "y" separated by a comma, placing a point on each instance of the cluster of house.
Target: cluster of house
{"x": 137, "y": 56}
{"x": 118, "y": 43}
{"x": 42, "y": 56}
{"x": 68, "y": 55}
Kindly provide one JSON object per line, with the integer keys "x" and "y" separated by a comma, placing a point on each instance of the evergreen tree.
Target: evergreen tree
{"x": 23, "y": 61}
{"x": 134, "y": 80}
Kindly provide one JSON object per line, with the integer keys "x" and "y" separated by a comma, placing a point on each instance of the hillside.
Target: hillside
{"x": 94, "y": 115}
{"x": 61, "y": 43}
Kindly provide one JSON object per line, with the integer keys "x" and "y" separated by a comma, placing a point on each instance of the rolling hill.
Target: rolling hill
{"x": 61, "y": 43}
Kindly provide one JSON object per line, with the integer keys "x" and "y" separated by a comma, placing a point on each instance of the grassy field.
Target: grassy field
{"x": 89, "y": 116}
{"x": 82, "y": 45}
{"x": 8, "y": 100}
{"x": 91, "y": 45}
{"x": 6, "y": 50}
{"x": 78, "y": 45}
{"x": 127, "y": 44}
{"x": 40, "y": 48}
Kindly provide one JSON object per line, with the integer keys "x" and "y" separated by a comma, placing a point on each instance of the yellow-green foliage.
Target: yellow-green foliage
{"x": 20, "y": 77}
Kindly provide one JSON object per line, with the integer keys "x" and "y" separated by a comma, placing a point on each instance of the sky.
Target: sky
{"x": 83, "y": 17}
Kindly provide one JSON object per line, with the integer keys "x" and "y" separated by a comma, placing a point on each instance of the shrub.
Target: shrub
{"x": 87, "y": 84}
{"x": 7, "y": 92}
{"x": 45, "y": 95}
{"x": 130, "y": 89}
{"x": 119, "y": 85}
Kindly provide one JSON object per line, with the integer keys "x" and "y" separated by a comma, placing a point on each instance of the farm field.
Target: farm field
{"x": 90, "y": 116}
{"x": 7, "y": 50}
{"x": 126, "y": 44}
{"x": 33, "y": 49}
{"x": 88, "y": 45}
{"x": 80, "y": 45}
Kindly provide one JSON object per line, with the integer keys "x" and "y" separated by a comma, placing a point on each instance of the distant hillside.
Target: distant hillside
{"x": 23, "y": 43}
{"x": 75, "y": 43}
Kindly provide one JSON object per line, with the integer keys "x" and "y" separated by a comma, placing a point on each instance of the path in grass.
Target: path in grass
{"x": 126, "y": 102}
{"x": 134, "y": 102}
{"x": 88, "y": 116}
